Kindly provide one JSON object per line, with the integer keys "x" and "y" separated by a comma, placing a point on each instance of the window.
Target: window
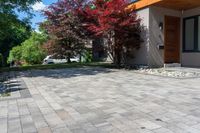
{"x": 198, "y": 33}
{"x": 191, "y": 34}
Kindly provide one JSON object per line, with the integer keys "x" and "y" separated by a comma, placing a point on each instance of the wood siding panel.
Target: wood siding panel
{"x": 179, "y": 4}
{"x": 172, "y": 39}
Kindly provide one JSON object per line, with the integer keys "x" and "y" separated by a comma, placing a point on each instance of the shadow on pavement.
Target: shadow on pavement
{"x": 65, "y": 73}
{"x": 10, "y": 83}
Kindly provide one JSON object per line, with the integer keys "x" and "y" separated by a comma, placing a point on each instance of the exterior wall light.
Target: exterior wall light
{"x": 161, "y": 25}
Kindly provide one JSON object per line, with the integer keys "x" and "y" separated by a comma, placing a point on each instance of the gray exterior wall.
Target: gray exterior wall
{"x": 191, "y": 59}
{"x": 149, "y": 53}
{"x": 156, "y": 35}
{"x": 156, "y": 56}
{"x": 141, "y": 55}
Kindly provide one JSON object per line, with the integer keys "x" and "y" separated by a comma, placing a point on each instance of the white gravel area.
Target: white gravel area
{"x": 169, "y": 73}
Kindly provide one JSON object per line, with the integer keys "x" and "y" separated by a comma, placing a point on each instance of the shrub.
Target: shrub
{"x": 87, "y": 56}
{"x": 32, "y": 53}
{"x": 15, "y": 54}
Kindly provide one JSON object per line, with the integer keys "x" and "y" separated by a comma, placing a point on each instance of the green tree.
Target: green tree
{"x": 15, "y": 54}
{"x": 8, "y": 6}
{"x": 18, "y": 33}
{"x": 32, "y": 51}
{"x": 13, "y": 31}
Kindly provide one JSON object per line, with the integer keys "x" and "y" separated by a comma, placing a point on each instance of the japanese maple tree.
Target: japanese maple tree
{"x": 110, "y": 19}
{"x": 64, "y": 27}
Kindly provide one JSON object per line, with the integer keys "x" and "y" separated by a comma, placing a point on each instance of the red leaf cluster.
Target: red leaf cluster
{"x": 103, "y": 16}
{"x": 109, "y": 19}
{"x": 72, "y": 21}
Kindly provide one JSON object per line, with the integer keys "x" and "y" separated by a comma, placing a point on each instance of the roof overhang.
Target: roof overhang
{"x": 179, "y": 4}
{"x": 172, "y": 4}
{"x": 142, "y": 4}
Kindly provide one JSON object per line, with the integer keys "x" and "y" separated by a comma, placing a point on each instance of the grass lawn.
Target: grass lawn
{"x": 57, "y": 66}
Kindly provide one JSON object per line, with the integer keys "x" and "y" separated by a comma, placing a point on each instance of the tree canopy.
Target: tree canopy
{"x": 13, "y": 31}
{"x": 8, "y": 6}
{"x": 30, "y": 51}
{"x": 70, "y": 24}
{"x": 17, "y": 33}
{"x": 64, "y": 26}
{"x": 109, "y": 19}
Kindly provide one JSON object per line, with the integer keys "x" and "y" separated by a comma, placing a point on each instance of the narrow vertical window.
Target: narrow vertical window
{"x": 199, "y": 33}
{"x": 189, "y": 34}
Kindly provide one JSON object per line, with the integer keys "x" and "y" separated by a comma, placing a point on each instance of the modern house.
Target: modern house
{"x": 172, "y": 33}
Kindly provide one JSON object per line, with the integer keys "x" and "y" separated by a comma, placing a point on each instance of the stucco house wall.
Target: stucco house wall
{"x": 141, "y": 55}
{"x": 156, "y": 35}
{"x": 149, "y": 53}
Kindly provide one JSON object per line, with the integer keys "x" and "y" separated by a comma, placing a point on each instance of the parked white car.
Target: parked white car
{"x": 51, "y": 60}
{"x": 75, "y": 59}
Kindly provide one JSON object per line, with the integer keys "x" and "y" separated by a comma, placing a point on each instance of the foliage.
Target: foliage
{"x": 13, "y": 31}
{"x": 52, "y": 47}
{"x": 15, "y": 54}
{"x": 14, "y": 35}
{"x": 8, "y": 6}
{"x": 87, "y": 56}
{"x": 109, "y": 19}
{"x": 64, "y": 27}
{"x": 8, "y": 16}
{"x": 30, "y": 51}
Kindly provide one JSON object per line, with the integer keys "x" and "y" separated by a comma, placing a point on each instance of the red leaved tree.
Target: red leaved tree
{"x": 64, "y": 27}
{"x": 109, "y": 19}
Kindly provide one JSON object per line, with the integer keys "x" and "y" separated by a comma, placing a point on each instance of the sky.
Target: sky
{"x": 37, "y": 8}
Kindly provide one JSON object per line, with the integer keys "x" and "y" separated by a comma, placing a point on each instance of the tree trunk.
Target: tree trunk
{"x": 79, "y": 55}
{"x": 68, "y": 57}
{"x": 117, "y": 55}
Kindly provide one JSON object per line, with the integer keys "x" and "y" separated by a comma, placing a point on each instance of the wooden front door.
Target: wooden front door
{"x": 172, "y": 39}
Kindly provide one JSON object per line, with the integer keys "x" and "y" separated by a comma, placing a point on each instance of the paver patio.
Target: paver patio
{"x": 98, "y": 100}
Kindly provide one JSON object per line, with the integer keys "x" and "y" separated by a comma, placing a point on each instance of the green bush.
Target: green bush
{"x": 15, "y": 54}
{"x": 87, "y": 56}
{"x": 30, "y": 51}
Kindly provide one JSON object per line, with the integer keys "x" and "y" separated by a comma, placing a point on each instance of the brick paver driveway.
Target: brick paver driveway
{"x": 97, "y": 100}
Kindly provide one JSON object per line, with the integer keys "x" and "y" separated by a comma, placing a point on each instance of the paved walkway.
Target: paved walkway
{"x": 102, "y": 101}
